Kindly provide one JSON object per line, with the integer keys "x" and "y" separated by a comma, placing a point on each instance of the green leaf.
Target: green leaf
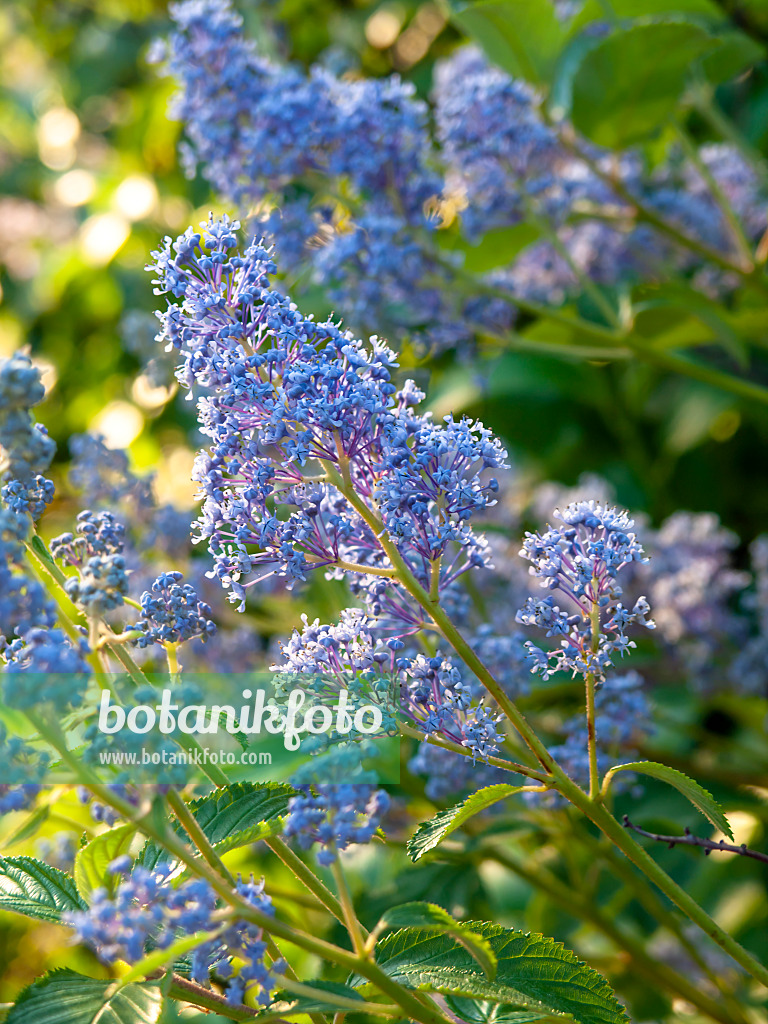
{"x": 594, "y": 10}
{"x": 534, "y": 972}
{"x": 735, "y": 54}
{"x": 233, "y": 817}
{"x": 306, "y": 1004}
{"x": 523, "y": 37}
{"x": 431, "y": 833}
{"x": 35, "y": 889}
{"x": 480, "y": 1011}
{"x": 701, "y": 799}
{"x": 69, "y": 998}
{"x": 624, "y": 88}
{"x": 92, "y": 860}
{"x": 432, "y": 918}
{"x": 497, "y": 248}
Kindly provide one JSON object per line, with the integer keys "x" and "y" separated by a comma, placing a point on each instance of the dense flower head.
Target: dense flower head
{"x": 335, "y": 817}
{"x": 58, "y": 671}
{"x": 581, "y": 560}
{"x": 24, "y": 603}
{"x": 149, "y": 911}
{"x": 171, "y": 613}
{"x": 26, "y": 450}
{"x": 749, "y": 669}
{"x": 96, "y": 533}
{"x": 434, "y": 693}
{"x": 101, "y": 585}
{"x": 31, "y": 497}
{"x": 22, "y": 768}
{"x": 295, "y": 408}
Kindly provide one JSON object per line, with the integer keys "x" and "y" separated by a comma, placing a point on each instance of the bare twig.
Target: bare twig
{"x": 708, "y": 845}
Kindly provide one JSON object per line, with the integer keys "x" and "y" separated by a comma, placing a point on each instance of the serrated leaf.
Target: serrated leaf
{"x": 523, "y": 37}
{"x": 430, "y": 834}
{"x": 93, "y": 859}
{"x": 35, "y": 889}
{"x": 701, "y": 798}
{"x": 233, "y": 817}
{"x": 480, "y": 1011}
{"x": 624, "y": 88}
{"x": 69, "y": 998}
{"x": 430, "y": 917}
{"x": 306, "y": 1004}
{"x": 533, "y": 973}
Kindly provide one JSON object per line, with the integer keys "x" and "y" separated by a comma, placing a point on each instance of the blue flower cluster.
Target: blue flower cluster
{"x": 581, "y": 560}
{"x": 364, "y": 200}
{"x": 21, "y": 768}
{"x": 149, "y": 909}
{"x": 24, "y": 603}
{"x": 294, "y": 409}
{"x": 335, "y": 817}
{"x": 171, "y": 613}
{"x": 432, "y": 692}
{"x": 26, "y": 446}
{"x": 58, "y": 671}
{"x": 96, "y": 533}
{"x": 101, "y": 585}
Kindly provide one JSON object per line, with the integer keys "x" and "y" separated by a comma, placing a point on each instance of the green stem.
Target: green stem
{"x": 646, "y": 213}
{"x": 559, "y": 780}
{"x": 192, "y": 827}
{"x": 727, "y": 210}
{"x": 407, "y": 1001}
{"x": 306, "y": 876}
{"x": 350, "y": 917}
{"x": 456, "y": 748}
{"x": 588, "y": 285}
{"x": 652, "y": 970}
{"x": 703, "y": 100}
{"x": 698, "y": 371}
{"x": 187, "y": 991}
{"x": 594, "y": 775}
{"x": 332, "y": 999}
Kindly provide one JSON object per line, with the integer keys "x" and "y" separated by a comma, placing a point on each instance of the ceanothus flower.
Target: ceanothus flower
{"x": 581, "y": 561}
{"x": 96, "y": 533}
{"x": 22, "y": 769}
{"x": 296, "y": 410}
{"x": 54, "y": 666}
{"x": 24, "y": 603}
{"x": 358, "y": 193}
{"x": 101, "y": 585}
{"x": 149, "y": 911}
{"x": 335, "y": 817}
{"x": 27, "y": 449}
{"x": 433, "y": 693}
{"x": 171, "y": 613}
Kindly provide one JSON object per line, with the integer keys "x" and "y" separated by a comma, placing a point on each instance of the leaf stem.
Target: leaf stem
{"x": 350, "y": 917}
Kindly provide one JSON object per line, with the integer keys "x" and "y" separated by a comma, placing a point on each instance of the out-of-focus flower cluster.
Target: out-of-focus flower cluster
{"x": 360, "y": 195}
{"x": 149, "y": 911}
